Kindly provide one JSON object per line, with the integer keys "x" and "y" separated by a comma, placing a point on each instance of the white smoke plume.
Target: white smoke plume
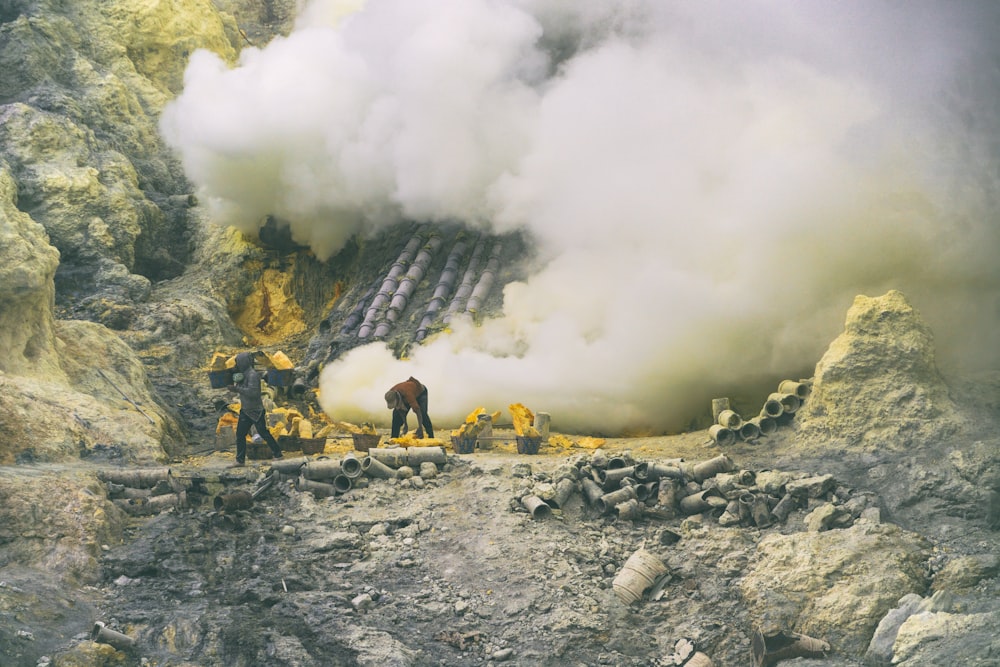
{"x": 710, "y": 183}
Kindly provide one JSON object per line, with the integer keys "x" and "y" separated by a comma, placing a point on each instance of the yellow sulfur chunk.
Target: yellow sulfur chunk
{"x": 523, "y": 419}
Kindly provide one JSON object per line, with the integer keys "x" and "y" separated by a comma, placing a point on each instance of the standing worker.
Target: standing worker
{"x": 246, "y": 383}
{"x": 401, "y": 399}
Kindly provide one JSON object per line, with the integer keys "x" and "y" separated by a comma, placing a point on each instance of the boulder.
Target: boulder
{"x": 877, "y": 387}
{"x": 834, "y": 585}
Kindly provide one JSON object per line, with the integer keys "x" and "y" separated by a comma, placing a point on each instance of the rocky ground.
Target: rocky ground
{"x": 452, "y": 570}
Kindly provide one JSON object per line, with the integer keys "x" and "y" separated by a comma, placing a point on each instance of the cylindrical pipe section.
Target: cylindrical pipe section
{"x": 394, "y": 457}
{"x": 231, "y": 502}
{"x": 377, "y": 469}
{"x": 417, "y": 455}
{"x": 616, "y": 463}
{"x": 789, "y": 402}
{"x": 749, "y": 431}
{"x": 784, "y": 507}
{"x": 289, "y": 466}
{"x": 667, "y": 493}
{"x": 713, "y": 466}
{"x": 342, "y": 483}
{"x": 766, "y": 425}
{"x": 799, "y": 389}
{"x": 772, "y": 407}
{"x": 485, "y": 282}
{"x": 139, "y": 478}
{"x": 730, "y": 419}
{"x": 629, "y": 510}
{"x": 564, "y": 491}
{"x": 607, "y": 502}
{"x": 647, "y": 471}
{"x": 721, "y": 435}
{"x": 613, "y": 477}
{"x": 761, "y": 511}
{"x": 318, "y": 489}
{"x": 536, "y": 506}
{"x": 350, "y": 467}
{"x": 102, "y": 634}
{"x": 696, "y": 503}
{"x": 591, "y": 491}
{"x": 468, "y": 278}
{"x": 321, "y": 469}
{"x": 718, "y": 405}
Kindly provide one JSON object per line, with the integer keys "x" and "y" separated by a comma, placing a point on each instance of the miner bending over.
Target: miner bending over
{"x": 401, "y": 399}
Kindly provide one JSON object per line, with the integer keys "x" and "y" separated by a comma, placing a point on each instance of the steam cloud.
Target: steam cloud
{"x": 709, "y": 183}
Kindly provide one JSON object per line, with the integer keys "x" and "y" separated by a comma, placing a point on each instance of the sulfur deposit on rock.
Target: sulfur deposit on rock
{"x": 821, "y": 584}
{"x": 877, "y": 387}
{"x": 27, "y": 266}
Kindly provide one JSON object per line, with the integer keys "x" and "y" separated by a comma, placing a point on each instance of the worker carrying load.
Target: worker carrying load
{"x": 406, "y": 396}
{"x": 246, "y": 383}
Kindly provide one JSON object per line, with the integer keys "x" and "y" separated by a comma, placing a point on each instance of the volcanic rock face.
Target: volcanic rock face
{"x": 877, "y": 385}
{"x": 27, "y": 265}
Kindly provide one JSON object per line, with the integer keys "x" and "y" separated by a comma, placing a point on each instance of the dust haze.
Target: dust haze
{"x": 708, "y": 184}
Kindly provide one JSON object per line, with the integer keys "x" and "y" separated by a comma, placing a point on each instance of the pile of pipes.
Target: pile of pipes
{"x": 324, "y": 477}
{"x": 144, "y": 491}
{"x": 777, "y": 410}
{"x": 621, "y": 487}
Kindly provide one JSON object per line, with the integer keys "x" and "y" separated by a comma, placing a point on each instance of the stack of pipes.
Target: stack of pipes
{"x": 468, "y": 281}
{"x": 408, "y": 285}
{"x": 144, "y": 491}
{"x": 485, "y": 282}
{"x": 444, "y": 287}
{"x": 389, "y": 284}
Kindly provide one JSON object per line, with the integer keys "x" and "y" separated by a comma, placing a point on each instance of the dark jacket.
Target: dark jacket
{"x": 249, "y": 387}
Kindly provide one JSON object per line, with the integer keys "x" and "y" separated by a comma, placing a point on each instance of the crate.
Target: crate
{"x": 526, "y": 445}
{"x": 312, "y": 445}
{"x": 463, "y": 444}
{"x": 365, "y": 441}
{"x": 220, "y": 379}
{"x": 280, "y": 377}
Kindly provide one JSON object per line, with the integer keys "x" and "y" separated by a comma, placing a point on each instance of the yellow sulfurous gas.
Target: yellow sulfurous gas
{"x": 524, "y": 420}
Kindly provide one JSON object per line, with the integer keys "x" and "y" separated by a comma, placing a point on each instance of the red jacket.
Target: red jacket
{"x": 409, "y": 390}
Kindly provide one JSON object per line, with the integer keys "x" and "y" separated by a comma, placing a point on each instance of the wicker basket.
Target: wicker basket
{"x": 312, "y": 445}
{"x": 280, "y": 377}
{"x": 220, "y": 379}
{"x": 365, "y": 441}
{"x": 526, "y": 445}
{"x": 258, "y": 451}
{"x": 463, "y": 444}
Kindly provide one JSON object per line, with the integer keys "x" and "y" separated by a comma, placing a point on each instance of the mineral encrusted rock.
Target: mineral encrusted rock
{"x": 877, "y": 386}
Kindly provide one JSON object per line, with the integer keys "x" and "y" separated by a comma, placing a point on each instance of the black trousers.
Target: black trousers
{"x": 399, "y": 417}
{"x": 243, "y": 425}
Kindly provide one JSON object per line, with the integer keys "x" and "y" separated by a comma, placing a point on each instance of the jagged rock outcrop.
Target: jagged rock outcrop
{"x": 27, "y": 266}
{"x": 877, "y": 386}
{"x": 836, "y": 584}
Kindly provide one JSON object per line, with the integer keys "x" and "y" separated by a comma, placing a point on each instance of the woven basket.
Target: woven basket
{"x": 463, "y": 444}
{"x": 365, "y": 441}
{"x": 312, "y": 445}
{"x": 526, "y": 445}
{"x": 258, "y": 451}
